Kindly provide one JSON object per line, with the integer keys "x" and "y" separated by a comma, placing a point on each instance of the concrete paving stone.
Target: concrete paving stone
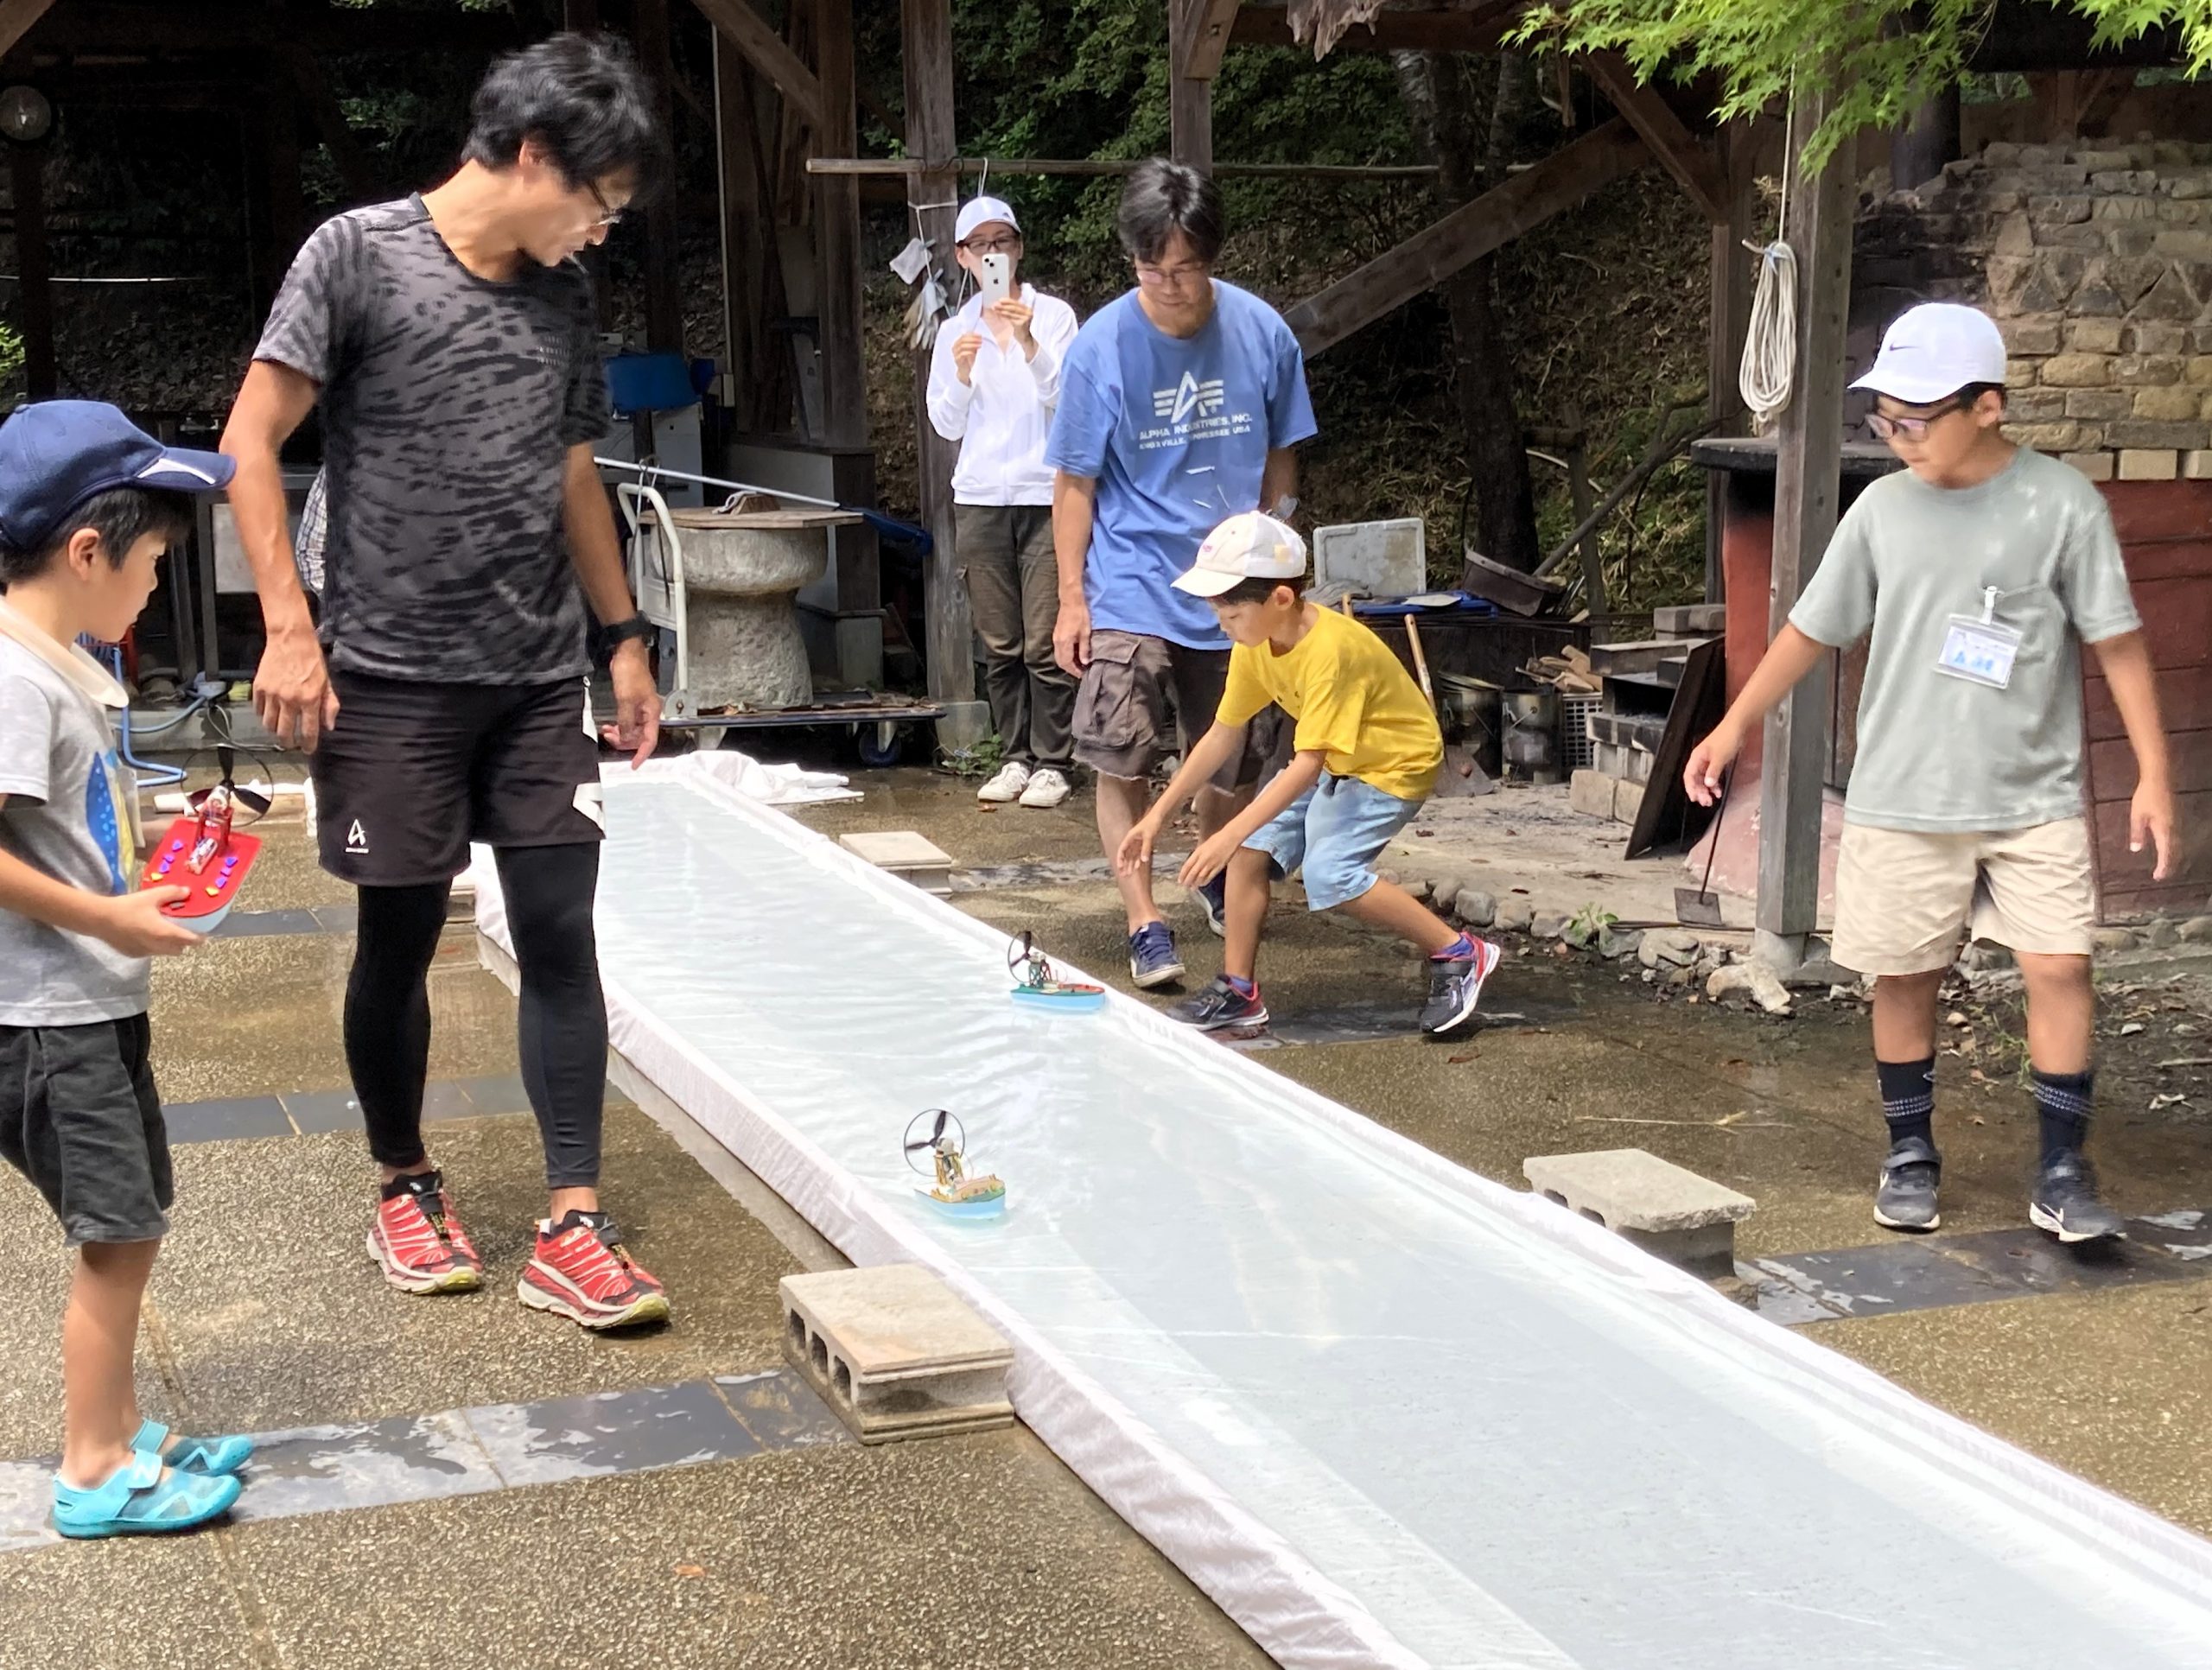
{"x": 26, "y": 1504}
{"x": 2029, "y": 1261}
{"x": 249, "y": 924}
{"x": 780, "y": 1410}
{"x": 131, "y": 1604}
{"x": 497, "y": 1093}
{"x": 340, "y": 918}
{"x": 352, "y": 1464}
{"x": 1885, "y": 1278}
{"x": 316, "y": 1112}
{"x": 227, "y": 1118}
{"x": 626, "y": 1431}
{"x": 970, "y": 1553}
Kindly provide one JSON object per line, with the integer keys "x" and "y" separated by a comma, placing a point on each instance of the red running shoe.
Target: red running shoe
{"x": 580, "y": 1270}
{"x": 418, "y": 1242}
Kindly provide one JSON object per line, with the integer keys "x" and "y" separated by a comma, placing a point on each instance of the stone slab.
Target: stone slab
{"x": 1690, "y": 619}
{"x": 1630, "y": 1189}
{"x": 906, "y": 853}
{"x": 1591, "y": 793}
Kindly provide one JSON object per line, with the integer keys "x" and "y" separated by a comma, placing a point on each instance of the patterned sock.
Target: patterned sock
{"x": 2062, "y": 1104}
{"x": 1909, "y": 1099}
{"x": 1458, "y": 951}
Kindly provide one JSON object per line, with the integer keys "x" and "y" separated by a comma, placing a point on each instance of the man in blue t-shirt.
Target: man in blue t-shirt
{"x": 1179, "y": 405}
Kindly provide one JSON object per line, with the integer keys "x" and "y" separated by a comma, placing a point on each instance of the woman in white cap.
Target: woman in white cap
{"x": 994, "y": 378}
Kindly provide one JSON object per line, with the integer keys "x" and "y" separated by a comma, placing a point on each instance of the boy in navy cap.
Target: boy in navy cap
{"x": 87, "y": 505}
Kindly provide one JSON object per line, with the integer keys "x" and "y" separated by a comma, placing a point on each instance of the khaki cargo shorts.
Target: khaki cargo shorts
{"x": 1143, "y": 698}
{"x": 1906, "y": 901}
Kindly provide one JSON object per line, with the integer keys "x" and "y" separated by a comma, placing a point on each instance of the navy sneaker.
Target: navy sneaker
{"x": 1455, "y": 985}
{"x": 1221, "y": 1005}
{"x": 2065, "y": 1203}
{"x": 1215, "y": 897}
{"x": 1905, "y": 1197}
{"x": 1153, "y": 960}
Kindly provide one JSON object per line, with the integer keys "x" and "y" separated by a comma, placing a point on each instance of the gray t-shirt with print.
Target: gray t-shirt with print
{"x": 450, "y": 403}
{"x": 1937, "y": 751}
{"x": 69, "y": 815}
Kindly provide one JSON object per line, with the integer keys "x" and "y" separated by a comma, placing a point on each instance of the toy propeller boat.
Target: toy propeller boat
{"x": 203, "y": 853}
{"x": 1035, "y": 984}
{"x": 954, "y": 1193}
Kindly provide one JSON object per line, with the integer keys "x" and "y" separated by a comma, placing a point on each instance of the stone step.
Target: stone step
{"x": 895, "y": 1352}
{"x": 1690, "y": 620}
{"x": 1670, "y": 1212}
{"x": 1652, "y": 655}
{"x": 906, "y": 853}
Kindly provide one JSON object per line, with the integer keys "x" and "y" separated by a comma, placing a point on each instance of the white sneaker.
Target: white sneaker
{"x": 1046, "y": 788}
{"x": 1013, "y": 778}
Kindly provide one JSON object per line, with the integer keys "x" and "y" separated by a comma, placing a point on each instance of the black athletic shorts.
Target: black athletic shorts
{"x": 81, "y": 1118}
{"x": 411, "y": 773}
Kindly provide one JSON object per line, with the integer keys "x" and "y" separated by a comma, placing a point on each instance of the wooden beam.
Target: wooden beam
{"x": 926, "y": 35}
{"x": 1474, "y": 230}
{"x": 751, "y": 34}
{"x": 1807, "y": 481}
{"x": 1190, "y": 99}
{"x": 1208, "y": 23}
{"x": 34, "y": 304}
{"x": 16, "y": 17}
{"x": 1476, "y": 28}
{"x": 838, "y": 235}
{"x": 649, "y": 20}
{"x": 1681, "y": 152}
{"x": 745, "y": 231}
{"x": 869, "y": 167}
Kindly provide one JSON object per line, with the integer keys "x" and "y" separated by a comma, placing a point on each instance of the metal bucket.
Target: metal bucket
{"x": 1531, "y": 740}
{"x": 1469, "y": 708}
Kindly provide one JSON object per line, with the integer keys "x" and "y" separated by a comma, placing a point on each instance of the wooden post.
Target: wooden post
{"x": 663, "y": 270}
{"x": 1190, "y": 100}
{"x": 1733, "y": 277}
{"x": 926, "y": 32}
{"x": 747, "y": 236}
{"x": 837, "y": 234}
{"x": 1817, "y": 227}
{"x": 27, "y": 171}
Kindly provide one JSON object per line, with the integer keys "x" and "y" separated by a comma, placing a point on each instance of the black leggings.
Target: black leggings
{"x": 562, "y": 1034}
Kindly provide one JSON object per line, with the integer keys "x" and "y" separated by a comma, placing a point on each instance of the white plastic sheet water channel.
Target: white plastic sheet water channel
{"x": 1385, "y": 1411}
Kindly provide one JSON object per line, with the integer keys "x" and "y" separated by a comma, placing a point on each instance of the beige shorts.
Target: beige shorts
{"x": 1906, "y": 901}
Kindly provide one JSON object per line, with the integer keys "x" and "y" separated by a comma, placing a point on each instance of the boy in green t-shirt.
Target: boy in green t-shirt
{"x": 1368, "y": 749}
{"x": 1978, "y": 570}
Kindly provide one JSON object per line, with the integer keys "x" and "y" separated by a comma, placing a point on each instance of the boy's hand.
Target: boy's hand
{"x": 1210, "y": 860}
{"x": 134, "y": 925}
{"x": 1709, "y": 763}
{"x": 2151, "y": 815}
{"x": 963, "y": 354}
{"x": 291, "y": 689}
{"x": 1134, "y": 856}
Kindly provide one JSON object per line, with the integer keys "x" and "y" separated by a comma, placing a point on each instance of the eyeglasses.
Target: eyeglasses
{"x": 1164, "y": 277}
{"x": 1883, "y": 428}
{"x": 993, "y": 246}
{"x": 607, "y": 217}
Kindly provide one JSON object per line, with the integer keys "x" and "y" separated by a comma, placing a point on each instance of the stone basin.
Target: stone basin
{"x": 742, "y": 572}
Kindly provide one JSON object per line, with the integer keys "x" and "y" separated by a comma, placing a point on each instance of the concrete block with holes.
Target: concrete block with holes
{"x": 895, "y": 1352}
{"x": 1670, "y": 1212}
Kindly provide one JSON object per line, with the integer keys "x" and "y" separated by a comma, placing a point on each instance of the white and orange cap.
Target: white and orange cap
{"x": 1250, "y": 545}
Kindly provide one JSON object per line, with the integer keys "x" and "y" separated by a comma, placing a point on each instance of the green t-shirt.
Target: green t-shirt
{"x": 1941, "y": 753}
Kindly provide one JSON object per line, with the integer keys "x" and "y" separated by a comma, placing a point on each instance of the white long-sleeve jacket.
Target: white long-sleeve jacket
{"x": 1002, "y": 415}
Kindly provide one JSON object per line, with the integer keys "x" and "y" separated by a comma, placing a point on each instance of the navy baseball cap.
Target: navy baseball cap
{"x": 56, "y": 455}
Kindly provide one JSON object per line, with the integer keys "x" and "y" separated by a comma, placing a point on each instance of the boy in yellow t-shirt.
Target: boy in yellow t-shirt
{"x": 1367, "y": 751}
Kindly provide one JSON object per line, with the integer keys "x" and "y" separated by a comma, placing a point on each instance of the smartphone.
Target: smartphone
{"x": 998, "y": 278}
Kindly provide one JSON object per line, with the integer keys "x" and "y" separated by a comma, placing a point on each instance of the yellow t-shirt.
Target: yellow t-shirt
{"x": 1352, "y": 699}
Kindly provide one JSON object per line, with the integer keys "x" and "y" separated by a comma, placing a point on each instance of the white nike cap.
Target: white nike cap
{"x": 1934, "y": 350}
{"x": 981, "y": 212}
{"x": 1251, "y": 545}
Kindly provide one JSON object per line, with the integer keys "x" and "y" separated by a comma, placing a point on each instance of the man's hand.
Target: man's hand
{"x": 963, "y": 355}
{"x": 2151, "y": 816}
{"x": 1211, "y": 858}
{"x": 134, "y": 925}
{"x": 1071, "y": 638}
{"x": 1709, "y": 763}
{"x": 637, "y": 704}
{"x": 291, "y": 688}
{"x": 1133, "y": 857}
{"x": 1010, "y": 313}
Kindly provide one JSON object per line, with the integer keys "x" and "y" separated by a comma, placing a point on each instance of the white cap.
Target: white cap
{"x": 981, "y": 212}
{"x": 1934, "y": 350}
{"x": 1251, "y": 545}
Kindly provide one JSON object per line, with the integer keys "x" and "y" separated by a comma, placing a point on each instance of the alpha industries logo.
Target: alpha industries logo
{"x": 1187, "y": 396}
{"x": 357, "y": 838}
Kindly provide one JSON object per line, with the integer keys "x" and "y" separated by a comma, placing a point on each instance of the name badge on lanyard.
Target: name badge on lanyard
{"x": 1978, "y": 649}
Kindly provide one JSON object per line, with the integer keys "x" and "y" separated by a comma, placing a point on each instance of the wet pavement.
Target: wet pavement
{"x": 461, "y": 1470}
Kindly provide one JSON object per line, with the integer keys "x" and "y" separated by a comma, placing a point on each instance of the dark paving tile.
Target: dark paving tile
{"x": 1363, "y": 1023}
{"x": 781, "y": 1410}
{"x": 315, "y": 1111}
{"x": 336, "y": 918}
{"x": 2031, "y": 1262}
{"x": 1884, "y": 1279}
{"x": 225, "y": 1120}
{"x": 2185, "y": 1235}
{"x": 610, "y": 1433}
{"x": 251, "y": 924}
{"x": 444, "y": 1099}
{"x": 318, "y": 1469}
{"x": 503, "y": 1094}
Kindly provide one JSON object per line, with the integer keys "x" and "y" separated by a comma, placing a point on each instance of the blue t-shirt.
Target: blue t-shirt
{"x": 1176, "y": 431}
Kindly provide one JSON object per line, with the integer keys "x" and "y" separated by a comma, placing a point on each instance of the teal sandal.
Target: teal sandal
{"x": 216, "y": 1456}
{"x": 140, "y": 1496}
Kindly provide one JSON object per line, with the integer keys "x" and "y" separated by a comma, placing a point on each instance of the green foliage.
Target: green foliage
{"x": 1879, "y": 58}
{"x": 11, "y": 355}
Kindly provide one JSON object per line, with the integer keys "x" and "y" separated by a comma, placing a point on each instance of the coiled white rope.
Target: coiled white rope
{"x": 1769, "y": 366}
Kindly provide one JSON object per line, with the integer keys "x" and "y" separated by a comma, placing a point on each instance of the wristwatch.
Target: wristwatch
{"x": 637, "y": 626}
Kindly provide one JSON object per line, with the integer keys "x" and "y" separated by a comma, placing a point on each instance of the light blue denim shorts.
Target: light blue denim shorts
{"x": 1334, "y": 832}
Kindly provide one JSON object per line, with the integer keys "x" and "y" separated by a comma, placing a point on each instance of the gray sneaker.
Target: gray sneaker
{"x": 1905, "y": 1199}
{"x": 2065, "y": 1203}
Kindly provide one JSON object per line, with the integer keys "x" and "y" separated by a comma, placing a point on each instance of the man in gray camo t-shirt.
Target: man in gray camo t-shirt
{"x": 449, "y": 342}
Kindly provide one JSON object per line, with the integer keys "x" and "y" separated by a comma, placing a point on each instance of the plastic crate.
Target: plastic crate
{"x": 1577, "y": 751}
